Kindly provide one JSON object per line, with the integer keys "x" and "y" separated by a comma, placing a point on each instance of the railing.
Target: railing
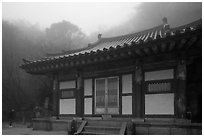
{"x": 81, "y": 127}
{"x": 123, "y": 128}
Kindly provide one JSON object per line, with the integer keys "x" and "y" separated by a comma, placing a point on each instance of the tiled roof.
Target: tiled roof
{"x": 108, "y": 44}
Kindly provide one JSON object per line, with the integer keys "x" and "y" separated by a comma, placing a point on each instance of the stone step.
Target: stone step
{"x": 95, "y": 133}
{"x": 104, "y": 123}
{"x": 106, "y": 129}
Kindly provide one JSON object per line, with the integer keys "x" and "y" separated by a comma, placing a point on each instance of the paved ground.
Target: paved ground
{"x": 21, "y": 129}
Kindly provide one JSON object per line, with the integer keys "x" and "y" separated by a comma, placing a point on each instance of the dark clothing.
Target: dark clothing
{"x": 11, "y": 117}
{"x": 73, "y": 127}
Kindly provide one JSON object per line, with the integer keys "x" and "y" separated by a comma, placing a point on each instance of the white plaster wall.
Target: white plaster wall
{"x": 127, "y": 105}
{"x": 88, "y": 106}
{"x": 88, "y": 87}
{"x": 67, "y": 84}
{"x": 67, "y": 106}
{"x": 159, "y": 104}
{"x": 127, "y": 83}
{"x": 159, "y": 75}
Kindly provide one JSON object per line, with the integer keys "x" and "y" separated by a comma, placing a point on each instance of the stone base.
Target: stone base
{"x": 135, "y": 126}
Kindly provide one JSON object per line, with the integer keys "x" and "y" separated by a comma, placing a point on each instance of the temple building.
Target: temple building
{"x": 151, "y": 78}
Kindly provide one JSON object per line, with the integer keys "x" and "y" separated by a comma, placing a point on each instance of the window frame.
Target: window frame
{"x": 106, "y": 88}
{"x": 69, "y": 90}
{"x": 73, "y": 97}
{"x": 172, "y": 90}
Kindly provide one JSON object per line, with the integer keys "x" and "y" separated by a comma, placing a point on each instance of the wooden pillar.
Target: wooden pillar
{"x": 138, "y": 90}
{"x": 79, "y": 95}
{"x": 181, "y": 89}
{"x": 55, "y": 97}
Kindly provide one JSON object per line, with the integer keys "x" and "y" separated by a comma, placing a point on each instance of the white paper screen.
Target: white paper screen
{"x": 67, "y": 84}
{"x": 88, "y": 106}
{"x": 88, "y": 87}
{"x": 159, "y": 104}
{"x": 127, "y": 83}
{"x": 127, "y": 105}
{"x": 159, "y": 75}
{"x": 67, "y": 106}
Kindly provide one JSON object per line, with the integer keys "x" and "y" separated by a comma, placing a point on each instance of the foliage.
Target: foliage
{"x": 65, "y": 36}
{"x": 20, "y": 39}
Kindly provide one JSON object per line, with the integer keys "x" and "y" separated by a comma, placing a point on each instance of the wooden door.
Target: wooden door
{"x": 107, "y": 95}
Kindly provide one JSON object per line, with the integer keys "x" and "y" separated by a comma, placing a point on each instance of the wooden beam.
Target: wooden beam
{"x": 172, "y": 45}
{"x": 81, "y": 127}
{"x": 52, "y": 66}
{"x": 77, "y": 62}
{"x": 101, "y": 58}
{"x": 163, "y": 47}
{"x": 137, "y": 51}
{"x": 181, "y": 44}
{"x": 61, "y": 64}
{"x": 71, "y": 63}
{"x": 129, "y": 52}
{"x": 123, "y": 128}
{"x": 108, "y": 57}
{"x": 142, "y": 51}
{"x": 155, "y": 49}
{"x": 190, "y": 42}
{"x": 115, "y": 55}
{"x": 66, "y": 64}
{"x": 83, "y": 62}
{"x": 89, "y": 61}
{"x": 122, "y": 54}
{"x": 95, "y": 59}
{"x": 138, "y": 78}
{"x": 159, "y": 48}
{"x": 146, "y": 50}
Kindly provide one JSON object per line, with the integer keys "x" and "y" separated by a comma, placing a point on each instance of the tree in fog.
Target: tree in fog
{"x": 19, "y": 89}
{"x": 64, "y": 36}
{"x": 20, "y": 39}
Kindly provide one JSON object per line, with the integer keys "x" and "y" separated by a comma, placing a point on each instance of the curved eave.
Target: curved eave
{"x": 172, "y": 41}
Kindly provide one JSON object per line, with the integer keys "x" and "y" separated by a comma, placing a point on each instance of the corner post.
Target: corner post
{"x": 55, "y": 96}
{"x": 79, "y": 96}
{"x": 181, "y": 89}
{"x": 138, "y": 90}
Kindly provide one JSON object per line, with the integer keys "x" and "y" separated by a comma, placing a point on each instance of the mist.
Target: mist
{"x": 24, "y": 39}
{"x": 149, "y": 15}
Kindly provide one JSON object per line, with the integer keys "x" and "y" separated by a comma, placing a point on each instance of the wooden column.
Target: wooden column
{"x": 79, "y": 95}
{"x": 138, "y": 90}
{"x": 180, "y": 98}
{"x": 55, "y": 97}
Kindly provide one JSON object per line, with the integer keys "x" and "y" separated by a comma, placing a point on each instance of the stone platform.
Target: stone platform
{"x": 135, "y": 125}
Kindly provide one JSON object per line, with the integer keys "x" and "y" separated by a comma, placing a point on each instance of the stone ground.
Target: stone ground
{"x": 21, "y": 129}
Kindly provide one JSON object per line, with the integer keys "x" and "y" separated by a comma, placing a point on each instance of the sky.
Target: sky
{"x": 90, "y": 17}
{"x": 108, "y": 18}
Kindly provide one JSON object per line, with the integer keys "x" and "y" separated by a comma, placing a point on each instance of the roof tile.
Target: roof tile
{"x": 112, "y": 43}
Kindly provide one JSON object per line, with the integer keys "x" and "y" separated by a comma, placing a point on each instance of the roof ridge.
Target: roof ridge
{"x": 90, "y": 45}
{"x": 65, "y": 52}
{"x": 194, "y": 23}
{"x": 114, "y": 38}
{"x": 132, "y": 34}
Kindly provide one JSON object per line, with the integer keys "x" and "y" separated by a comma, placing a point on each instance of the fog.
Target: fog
{"x": 23, "y": 37}
{"x": 150, "y": 14}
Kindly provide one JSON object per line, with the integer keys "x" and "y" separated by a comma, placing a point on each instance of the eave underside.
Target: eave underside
{"x": 180, "y": 43}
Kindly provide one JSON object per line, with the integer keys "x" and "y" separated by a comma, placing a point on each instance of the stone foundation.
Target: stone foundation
{"x": 136, "y": 126}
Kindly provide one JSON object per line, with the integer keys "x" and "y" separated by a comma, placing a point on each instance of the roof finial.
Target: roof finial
{"x": 166, "y": 26}
{"x": 99, "y": 36}
{"x": 165, "y": 20}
